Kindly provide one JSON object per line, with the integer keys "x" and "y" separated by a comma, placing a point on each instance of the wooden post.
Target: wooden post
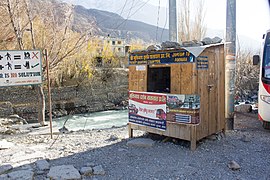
{"x": 49, "y": 92}
{"x": 193, "y": 142}
{"x": 130, "y": 131}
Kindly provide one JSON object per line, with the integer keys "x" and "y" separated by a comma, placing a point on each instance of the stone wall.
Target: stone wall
{"x": 105, "y": 91}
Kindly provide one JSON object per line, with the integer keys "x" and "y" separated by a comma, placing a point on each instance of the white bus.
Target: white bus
{"x": 264, "y": 81}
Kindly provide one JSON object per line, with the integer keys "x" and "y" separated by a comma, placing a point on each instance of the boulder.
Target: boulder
{"x": 5, "y": 168}
{"x": 86, "y": 171}
{"x": 244, "y": 108}
{"x": 22, "y": 175}
{"x": 193, "y": 43}
{"x": 42, "y": 165}
{"x": 207, "y": 41}
{"x": 170, "y": 44}
{"x": 234, "y": 166}
{"x": 153, "y": 47}
{"x": 98, "y": 170}
{"x": 216, "y": 40}
{"x": 64, "y": 172}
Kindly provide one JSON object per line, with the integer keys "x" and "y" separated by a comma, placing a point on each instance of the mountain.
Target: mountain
{"x": 116, "y": 26}
{"x": 138, "y": 10}
{"x": 148, "y": 13}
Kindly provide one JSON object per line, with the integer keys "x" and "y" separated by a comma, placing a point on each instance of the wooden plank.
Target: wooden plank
{"x": 202, "y": 129}
{"x": 212, "y": 92}
{"x": 186, "y": 81}
{"x": 171, "y": 131}
{"x": 130, "y": 131}
{"x": 142, "y": 76}
{"x": 175, "y": 79}
{"x": 221, "y": 91}
{"x": 193, "y": 142}
{"x": 132, "y": 79}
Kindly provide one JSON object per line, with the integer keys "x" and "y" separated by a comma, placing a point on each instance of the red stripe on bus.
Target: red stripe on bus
{"x": 266, "y": 87}
{"x": 260, "y": 117}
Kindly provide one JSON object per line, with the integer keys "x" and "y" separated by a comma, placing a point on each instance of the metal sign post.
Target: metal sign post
{"x": 49, "y": 92}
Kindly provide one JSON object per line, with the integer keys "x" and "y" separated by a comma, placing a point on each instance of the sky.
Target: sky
{"x": 252, "y": 16}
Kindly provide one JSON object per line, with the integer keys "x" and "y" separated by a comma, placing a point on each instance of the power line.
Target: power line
{"x": 157, "y": 20}
{"x": 166, "y": 20}
{"x": 123, "y": 8}
{"x": 132, "y": 14}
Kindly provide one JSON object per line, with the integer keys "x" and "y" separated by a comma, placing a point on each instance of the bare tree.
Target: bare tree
{"x": 247, "y": 75}
{"x": 189, "y": 28}
{"x": 45, "y": 31}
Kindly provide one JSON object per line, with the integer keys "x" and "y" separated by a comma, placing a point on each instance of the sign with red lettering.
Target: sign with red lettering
{"x": 20, "y": 67}
{"x": 148, "y": 109}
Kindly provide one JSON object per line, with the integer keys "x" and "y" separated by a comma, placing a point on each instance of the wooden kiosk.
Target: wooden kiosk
{"x": 193, "y": 80}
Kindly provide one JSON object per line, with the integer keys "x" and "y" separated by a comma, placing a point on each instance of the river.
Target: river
{"x": 97, "y": 120}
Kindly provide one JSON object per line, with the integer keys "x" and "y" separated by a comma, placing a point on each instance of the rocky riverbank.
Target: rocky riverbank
{"x": 110, "y": 154}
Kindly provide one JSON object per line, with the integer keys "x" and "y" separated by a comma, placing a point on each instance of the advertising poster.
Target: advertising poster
{"x": 183, "y": 108}
{"x": 148, "y": 109}
{"x": 20, "y": 68}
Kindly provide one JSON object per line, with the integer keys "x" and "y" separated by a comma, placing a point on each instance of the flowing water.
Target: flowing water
{"x": 97, "y": 120}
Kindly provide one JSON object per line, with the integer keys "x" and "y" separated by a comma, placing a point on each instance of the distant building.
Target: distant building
{"x": 104, "y": 45}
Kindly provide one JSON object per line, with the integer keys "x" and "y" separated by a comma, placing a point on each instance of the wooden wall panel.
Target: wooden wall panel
{"x": 175, "y": 78}
{"x": 212, "y": 90}
{"x": 221, "y": 88}
{"x": 202, "y": 129}
{"x": 137, "y": 79}
{"x": 188, "y": 78}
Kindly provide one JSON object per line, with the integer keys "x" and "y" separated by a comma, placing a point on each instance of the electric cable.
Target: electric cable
{"x": 158, "y": 20}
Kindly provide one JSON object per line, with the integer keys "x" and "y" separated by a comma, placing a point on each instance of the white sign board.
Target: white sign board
{"x": 20, "y": 67}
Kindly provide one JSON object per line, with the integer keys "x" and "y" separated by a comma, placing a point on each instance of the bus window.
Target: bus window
{"x": 266, "y": 58}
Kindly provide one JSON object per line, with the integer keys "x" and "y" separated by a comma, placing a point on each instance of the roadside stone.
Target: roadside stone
{"x": 22, "y": 175}
{"x": 40, "y": 172}
{"x": 244, "y": 108}
{"x": 4, "y": 144}
{"x": 5, "y": 168}
{"x": 98, "y": 170}
{"x": 3, "y": 177}
{"x": 26, "y": 167}
{"x": 42, "y": 164}
{"x": 141, "y": 142}
{"x": 86, "y": 171}
{"x": 245, "y": 139}
{"x": 113, "y": 138}
{"x": 64, "y": 172}
{"x": 90, "y": 164}
{"x": 234, "y": 166}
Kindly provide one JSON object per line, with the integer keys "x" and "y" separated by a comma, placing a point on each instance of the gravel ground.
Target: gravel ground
{"x": 248, "y": 145}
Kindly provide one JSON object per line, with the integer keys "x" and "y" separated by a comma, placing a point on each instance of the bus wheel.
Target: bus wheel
{"x": 266, "y": 125}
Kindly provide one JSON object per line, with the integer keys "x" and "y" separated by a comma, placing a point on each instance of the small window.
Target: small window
{"x": 113, "y": 42}
{"x": 119, "y": 42}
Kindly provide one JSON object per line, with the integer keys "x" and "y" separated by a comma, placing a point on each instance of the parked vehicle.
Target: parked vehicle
{"x": 264, "y": 81}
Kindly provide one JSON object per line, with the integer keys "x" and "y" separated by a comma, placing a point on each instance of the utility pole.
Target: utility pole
{"x": 230, "y": 63}
{"x": 173, "y": 33}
